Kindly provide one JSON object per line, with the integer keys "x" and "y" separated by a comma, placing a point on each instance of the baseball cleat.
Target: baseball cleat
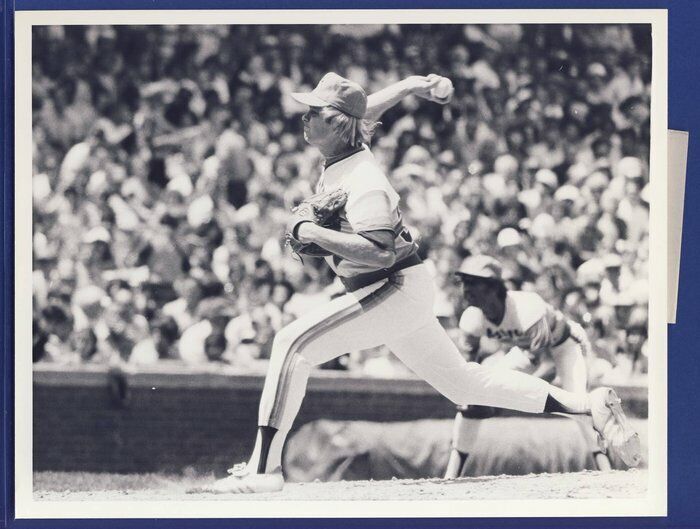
{"x": 613, "y": 429}
{"x": 242, "y": 481}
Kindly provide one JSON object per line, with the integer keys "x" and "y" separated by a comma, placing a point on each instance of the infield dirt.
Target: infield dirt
{"x": 53, "y": 486}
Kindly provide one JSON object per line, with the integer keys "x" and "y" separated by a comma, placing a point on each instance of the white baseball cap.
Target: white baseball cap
{"x": 623, "y": 299}
{"x": 597, "y": 180}
{"x": 495, "y": 185}
{"x": 200, "y": 211}
{"x": 480, "y": 266}
{"x": 578, "y": 172}
{"x": 567, "y": 192}
{"x": 508, "y": 237}
{"x": 89, "y": 295}
{"x": 181, "y": 184}
{"x": 543, "y": 226}
{"x": 547, "y": 177}
{"x": 630, "y": 167}
{"x": 590, "y": 271}
{"x": 596, "y": 70}
{"x": 98, "y": 233}
{"x": 612, "y": 260}
{"x": 645, "y": 194}
{"x": 506, "y": 164}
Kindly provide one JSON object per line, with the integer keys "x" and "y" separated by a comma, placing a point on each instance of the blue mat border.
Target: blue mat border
{"x": 684, "y": 367}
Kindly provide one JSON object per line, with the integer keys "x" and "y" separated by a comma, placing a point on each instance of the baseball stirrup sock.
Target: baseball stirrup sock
{"x": 462, "y": 461}
{"x": 562, "y": 401}
{"x": 266, "y": 435}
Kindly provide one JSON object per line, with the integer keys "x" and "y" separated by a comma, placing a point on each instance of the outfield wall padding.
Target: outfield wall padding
{"x": 170, "y": 418}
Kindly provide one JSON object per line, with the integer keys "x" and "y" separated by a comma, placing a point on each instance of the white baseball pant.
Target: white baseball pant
{"x": 396, "y": 312}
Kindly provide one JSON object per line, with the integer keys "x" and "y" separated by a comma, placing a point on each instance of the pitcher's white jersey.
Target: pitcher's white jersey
{"x": 372, "y": 205}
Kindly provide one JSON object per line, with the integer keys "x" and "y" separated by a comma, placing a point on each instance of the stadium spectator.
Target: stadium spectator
{"x": 165, "y": 164}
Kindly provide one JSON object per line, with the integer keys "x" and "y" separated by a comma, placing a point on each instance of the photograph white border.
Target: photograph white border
{"x": 655, "y": 502}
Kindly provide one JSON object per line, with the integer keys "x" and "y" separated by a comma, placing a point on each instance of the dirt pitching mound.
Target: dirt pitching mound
{"x": 588, "y": 484}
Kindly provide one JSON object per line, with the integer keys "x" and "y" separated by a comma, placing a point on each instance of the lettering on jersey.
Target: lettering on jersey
{"x": 510, "y": 335}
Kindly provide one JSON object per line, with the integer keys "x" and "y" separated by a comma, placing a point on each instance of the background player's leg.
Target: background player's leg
{"x": 602, "y": 461}
{"x": 571, "y": 366}
{"x": 465, "y": 431}
{"x": 464, "y": 435}
{"x": 455, "y": 464}
{"x": 573, "y": 375}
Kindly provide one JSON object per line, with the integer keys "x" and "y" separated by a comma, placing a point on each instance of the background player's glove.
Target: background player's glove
{"x": 322, "y": 209}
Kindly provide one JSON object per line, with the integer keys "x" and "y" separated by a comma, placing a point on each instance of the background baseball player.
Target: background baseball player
{"x": 539, "y": 340}
{"x": 389, "y": 296}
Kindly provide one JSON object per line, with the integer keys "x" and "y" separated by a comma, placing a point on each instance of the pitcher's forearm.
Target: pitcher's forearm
{"x": 350, "y": 246}
{"x": 417, "y": 85}
{"x": 381, "y": 101}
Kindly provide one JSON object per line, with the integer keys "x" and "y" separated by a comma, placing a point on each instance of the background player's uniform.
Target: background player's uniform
{"x": 395, "y": 311}
{"x": 529, "y": 323}
{"x": 532, "y": 324}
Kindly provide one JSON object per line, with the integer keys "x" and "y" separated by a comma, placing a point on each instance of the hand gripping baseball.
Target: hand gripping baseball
{"x": 322, "y": 209}
{"x": 432, "y": 87}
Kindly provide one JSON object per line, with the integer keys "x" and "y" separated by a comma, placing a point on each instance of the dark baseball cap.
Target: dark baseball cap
{"x": 337, "y": 92}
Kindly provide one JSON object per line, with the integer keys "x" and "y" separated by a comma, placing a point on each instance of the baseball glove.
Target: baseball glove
{"x": 322, "y": 209}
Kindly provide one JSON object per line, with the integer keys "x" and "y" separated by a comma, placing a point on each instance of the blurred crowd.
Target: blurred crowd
{"x": 166, "y": 158}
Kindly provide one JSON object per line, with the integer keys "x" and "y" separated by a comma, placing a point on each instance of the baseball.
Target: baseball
{"x": 443, "y": 89}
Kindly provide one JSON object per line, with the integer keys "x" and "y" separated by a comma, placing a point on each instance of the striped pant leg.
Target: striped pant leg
{"x": 355, "y": 321}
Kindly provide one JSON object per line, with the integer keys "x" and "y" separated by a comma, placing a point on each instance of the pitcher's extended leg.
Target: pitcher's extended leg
{"x": 430, "y": 353}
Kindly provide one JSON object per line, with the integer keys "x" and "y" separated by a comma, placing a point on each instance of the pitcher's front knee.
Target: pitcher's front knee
{"x": 282, "y": 344}
{"x": 279, "y": 357}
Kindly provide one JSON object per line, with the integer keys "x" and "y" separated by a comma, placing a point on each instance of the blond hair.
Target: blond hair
{"x": 353, "y": 131}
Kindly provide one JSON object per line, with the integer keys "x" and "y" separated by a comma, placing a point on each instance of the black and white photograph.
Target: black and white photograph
{"x": 304, "y": 260}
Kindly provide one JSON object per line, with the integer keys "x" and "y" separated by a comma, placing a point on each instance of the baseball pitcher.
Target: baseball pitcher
{"x": 389, "y": 295}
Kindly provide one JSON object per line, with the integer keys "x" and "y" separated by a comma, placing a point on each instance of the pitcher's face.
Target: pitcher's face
{"x": 316, "y": 129}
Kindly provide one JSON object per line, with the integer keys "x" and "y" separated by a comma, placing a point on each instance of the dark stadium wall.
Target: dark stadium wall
{"x": 94, "y": 419}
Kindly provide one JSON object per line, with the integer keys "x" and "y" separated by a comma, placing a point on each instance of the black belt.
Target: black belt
{"x": 360, "y": 281}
